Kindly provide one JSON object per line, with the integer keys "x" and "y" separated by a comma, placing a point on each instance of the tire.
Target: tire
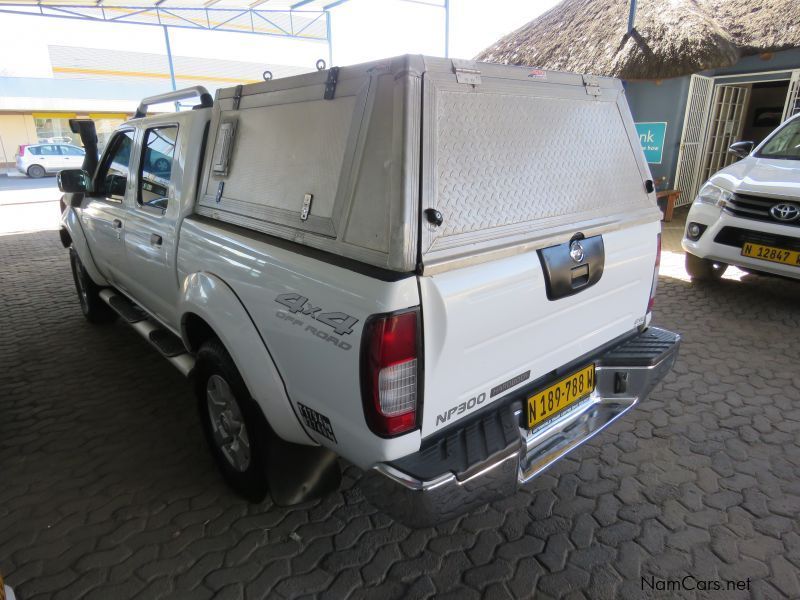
{"x": 36, "y": 171}
{"x": 92, "y": 306}
{"x": 237, "y": 433}
{"x": 703, "y": 269}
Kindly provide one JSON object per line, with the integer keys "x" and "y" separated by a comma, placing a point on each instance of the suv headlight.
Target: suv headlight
{"x": 713, "y": 195}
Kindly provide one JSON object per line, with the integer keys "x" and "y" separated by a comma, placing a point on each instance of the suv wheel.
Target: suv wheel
{"x": 703, "y": 269}
{"x": 36, "y": 171}
{"x": 236, "y": 430}
{"x": 92, "y": 305}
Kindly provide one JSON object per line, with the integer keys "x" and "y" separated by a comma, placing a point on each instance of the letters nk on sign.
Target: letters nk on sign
{"x": 651, "y": 137}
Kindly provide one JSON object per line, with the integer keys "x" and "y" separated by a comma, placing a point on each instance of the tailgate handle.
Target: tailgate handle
{"x": 580, "y": 276}
{"x": 573, "y": 266}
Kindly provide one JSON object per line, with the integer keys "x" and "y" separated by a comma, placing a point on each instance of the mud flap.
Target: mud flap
{"x": 298, "y": 473}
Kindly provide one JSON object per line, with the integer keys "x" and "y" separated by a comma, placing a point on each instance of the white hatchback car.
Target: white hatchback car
{"x": 36, "y": 160}
{"x": 748, "y": 214}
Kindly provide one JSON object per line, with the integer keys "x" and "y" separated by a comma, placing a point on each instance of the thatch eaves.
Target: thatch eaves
{"x": 671, "y": 38}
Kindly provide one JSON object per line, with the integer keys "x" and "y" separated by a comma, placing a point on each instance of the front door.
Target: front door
{"x": 103, "y": 213}
{"x": 725, "y": 127}
{"x": 50, "y": 158}
{"x": 698, "y": 103}
{"x": 150, "y": 238}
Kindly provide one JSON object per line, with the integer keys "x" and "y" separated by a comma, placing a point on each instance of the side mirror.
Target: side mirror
{"x": 741, "y": 149}
{"x": 73, "y": 181}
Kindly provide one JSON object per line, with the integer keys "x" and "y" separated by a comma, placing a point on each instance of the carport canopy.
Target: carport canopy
{"x": 300, "y": 19}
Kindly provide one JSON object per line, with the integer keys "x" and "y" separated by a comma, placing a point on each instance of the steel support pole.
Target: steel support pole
{"x": 632, "y": 17}
{"x": 169, "y": 61}
{"x": 446, "y": 28}
{"x": 328, "y": 35}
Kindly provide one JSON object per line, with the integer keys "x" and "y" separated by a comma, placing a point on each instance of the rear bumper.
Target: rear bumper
{"x": 491, "y": 456}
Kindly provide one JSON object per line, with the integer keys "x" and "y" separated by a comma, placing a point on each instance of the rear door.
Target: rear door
{"x": 150, "y": 237}
{"x": 520, "y": 163}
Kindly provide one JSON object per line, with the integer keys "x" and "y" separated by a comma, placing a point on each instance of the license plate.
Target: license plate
{"x": 560, "y": 395}
{"x": 772, "y": 254}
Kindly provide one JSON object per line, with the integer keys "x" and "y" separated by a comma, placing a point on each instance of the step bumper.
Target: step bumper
{"x": 406, "y": 490}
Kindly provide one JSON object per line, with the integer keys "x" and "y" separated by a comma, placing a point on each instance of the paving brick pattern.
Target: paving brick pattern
{"x": 107, "y": 490}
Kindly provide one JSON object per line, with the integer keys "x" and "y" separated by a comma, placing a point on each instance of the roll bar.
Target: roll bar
{"x": 206, "y": 101}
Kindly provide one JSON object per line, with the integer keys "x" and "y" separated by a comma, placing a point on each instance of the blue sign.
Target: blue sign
{"x": 651, "y": 137}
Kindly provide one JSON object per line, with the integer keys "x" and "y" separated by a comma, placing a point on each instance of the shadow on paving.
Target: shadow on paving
{"x": 107, "y": 490}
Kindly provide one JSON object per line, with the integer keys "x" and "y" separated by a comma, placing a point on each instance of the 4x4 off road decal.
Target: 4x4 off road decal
{"x": 299, "y": 306}
{"x": 317, "y": 421}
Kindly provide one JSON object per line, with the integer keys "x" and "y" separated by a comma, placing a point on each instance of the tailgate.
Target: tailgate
{"x": 491, "y": 329}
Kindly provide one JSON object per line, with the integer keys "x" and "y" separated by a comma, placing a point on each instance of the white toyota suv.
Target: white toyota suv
{"x": 748, "y": 214}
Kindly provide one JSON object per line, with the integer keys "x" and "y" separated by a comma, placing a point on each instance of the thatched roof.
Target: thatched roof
{"x": 671, "y": 37}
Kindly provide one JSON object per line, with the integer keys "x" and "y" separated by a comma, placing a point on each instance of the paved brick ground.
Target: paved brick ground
{"x": 107, "y": 491}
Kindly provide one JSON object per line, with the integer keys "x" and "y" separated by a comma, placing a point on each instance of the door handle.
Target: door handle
{"x": 155, "y": 239}
{"x": 117, "y": 224}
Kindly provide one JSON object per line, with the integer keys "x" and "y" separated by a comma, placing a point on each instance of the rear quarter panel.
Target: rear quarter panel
{"x": 320, "y": 369}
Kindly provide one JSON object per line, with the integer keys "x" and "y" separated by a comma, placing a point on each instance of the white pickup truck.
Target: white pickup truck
{"x": 441, "y": 271}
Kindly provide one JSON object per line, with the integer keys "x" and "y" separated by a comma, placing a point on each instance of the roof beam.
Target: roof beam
{"x": 334, "y": 4}
{"x": 297, "y": 5}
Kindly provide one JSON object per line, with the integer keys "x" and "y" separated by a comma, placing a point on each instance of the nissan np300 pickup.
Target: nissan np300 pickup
{"x": 441, "y": 271}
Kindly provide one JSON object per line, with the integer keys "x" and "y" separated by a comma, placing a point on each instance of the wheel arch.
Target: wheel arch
{"x": 209, "y": 307}
{"x": 72, "y": 229}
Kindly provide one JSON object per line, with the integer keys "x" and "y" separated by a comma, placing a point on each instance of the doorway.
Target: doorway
{"x": 726, "y": 109}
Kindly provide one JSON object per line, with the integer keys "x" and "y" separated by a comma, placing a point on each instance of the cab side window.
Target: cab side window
{"x": 158, "y": 153}
{"x": 113, "y": 177}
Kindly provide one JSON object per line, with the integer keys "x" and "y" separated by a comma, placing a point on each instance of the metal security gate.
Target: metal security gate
{"x": 792, "y": 105}
{"x": 725, "y": 127}
{"x": 690, "y": 153}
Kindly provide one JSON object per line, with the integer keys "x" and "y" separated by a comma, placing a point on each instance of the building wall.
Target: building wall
{"x": 15, "y": 129}
{"x": 661, "y": 101}
{"x": 665, "y": 100}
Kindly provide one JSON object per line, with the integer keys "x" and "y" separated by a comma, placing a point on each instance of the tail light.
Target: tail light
{"x": 655, "y": 276}
{"x": 390, "y": 372}
{"x": 22, "y": 149}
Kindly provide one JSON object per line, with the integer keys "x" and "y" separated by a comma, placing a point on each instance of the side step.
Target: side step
{"x": 166, "y": 342}
{"x": 127, "y": 310}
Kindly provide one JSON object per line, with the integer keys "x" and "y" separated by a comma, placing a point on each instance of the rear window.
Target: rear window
{"x": 35, "y": 150}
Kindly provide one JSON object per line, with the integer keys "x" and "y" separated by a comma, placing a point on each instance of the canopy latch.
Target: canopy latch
{"x": 592, "y": 85}
{"x": 466, "y": 72}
